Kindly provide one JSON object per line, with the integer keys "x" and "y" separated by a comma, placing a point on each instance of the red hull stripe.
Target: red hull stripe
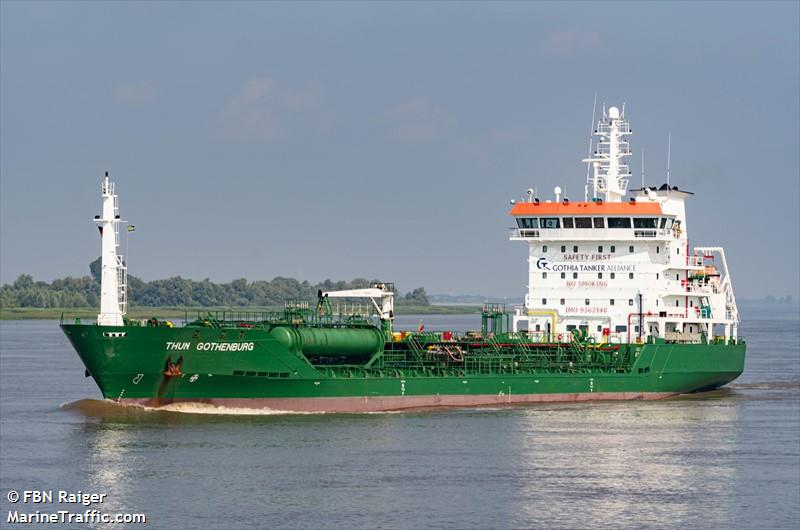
{"x": 393, "y": 403}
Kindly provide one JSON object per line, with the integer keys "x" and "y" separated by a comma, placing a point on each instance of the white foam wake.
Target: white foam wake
{"x": 111, "y": 408}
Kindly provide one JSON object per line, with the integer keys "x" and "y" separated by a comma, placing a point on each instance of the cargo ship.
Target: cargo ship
{"x": 618, "y": 307}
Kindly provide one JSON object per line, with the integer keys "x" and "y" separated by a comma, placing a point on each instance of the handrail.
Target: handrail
{"x": 619, "y": 234}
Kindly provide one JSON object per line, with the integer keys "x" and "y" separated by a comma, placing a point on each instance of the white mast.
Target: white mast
{"x": 669, "y": 153}
{"x": 588, "y": 167}
{"x": 113, "y": 296}
{"x": 611, "y": 172}
{"x": 642, "y": 167}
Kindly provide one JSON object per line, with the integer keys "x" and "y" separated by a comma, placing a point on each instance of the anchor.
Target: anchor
{"x": 173, "y": 369}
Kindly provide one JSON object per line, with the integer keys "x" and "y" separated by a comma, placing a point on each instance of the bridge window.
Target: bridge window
{"x": 599, "y": 223}
{"x": 663, "y": 222}
{"x": 645, "y": 222}
{"x": 619, "y": 222}
{"x": 583, "y": 222}
{"x": 549, "y": 222}
{"x": 568, "y": 223}
{"x": 528, "y": 222}
{"x": 669, "y": 223}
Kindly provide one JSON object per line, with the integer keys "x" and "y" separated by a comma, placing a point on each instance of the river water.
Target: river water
{"x": 726, "y": 459}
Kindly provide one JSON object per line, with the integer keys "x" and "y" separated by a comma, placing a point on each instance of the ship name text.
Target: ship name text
{"x": 211, "y": 346}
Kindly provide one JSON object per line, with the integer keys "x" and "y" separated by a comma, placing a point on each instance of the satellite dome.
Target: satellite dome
{"x": 613, "y": 113}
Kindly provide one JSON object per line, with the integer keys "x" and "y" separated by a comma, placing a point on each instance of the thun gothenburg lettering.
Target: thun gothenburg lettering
{"x": 618, "y": 307}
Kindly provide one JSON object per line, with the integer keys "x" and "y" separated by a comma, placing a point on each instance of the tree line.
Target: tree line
{"x": 177, "y": 292}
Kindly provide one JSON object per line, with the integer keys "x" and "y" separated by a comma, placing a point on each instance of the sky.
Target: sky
{"x": 384, "y": 140}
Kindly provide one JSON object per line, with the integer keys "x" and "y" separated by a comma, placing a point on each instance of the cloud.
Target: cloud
{"x": 134, "y": 94}
{"x": 263, "y": 110}
{"x": 307, "y": 99}
{"x": 569, "y": 41}
{"x": 250, "y": 113}
{"x": 416, "y": 119}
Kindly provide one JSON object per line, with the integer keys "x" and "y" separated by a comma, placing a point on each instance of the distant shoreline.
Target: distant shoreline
{"x": 36, "y": 313}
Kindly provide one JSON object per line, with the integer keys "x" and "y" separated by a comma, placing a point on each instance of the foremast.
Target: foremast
{"x": 113, "y": 279}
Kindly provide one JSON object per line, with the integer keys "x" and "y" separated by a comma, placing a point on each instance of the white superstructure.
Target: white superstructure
{"x": 113, "y": 280}
{"x": 620, "y": 268}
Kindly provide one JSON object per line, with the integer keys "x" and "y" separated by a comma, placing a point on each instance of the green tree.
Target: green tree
{"x": 96, "y": 269}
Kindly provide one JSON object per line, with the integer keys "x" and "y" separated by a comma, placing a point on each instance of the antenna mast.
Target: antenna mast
{"x": 669, "y": 153}
{"x": 642, "y": 167}
{"x": 611, "y": 171}
{"x": 589, "y": 155}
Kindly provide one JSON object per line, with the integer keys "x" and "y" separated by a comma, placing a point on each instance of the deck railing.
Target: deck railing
{"x": 611, "y": 234}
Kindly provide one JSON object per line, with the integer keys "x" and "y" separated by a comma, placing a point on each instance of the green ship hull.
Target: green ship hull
{"x": 336, "y": 368}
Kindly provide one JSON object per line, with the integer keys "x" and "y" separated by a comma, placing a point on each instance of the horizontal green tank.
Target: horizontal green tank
{"x": 329, "y": 342}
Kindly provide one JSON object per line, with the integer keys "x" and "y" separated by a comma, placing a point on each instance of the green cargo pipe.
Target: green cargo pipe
{"x": 330, "y": 342}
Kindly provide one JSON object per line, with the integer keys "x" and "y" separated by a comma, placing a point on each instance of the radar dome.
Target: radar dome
{"x": 613, "y": 113}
